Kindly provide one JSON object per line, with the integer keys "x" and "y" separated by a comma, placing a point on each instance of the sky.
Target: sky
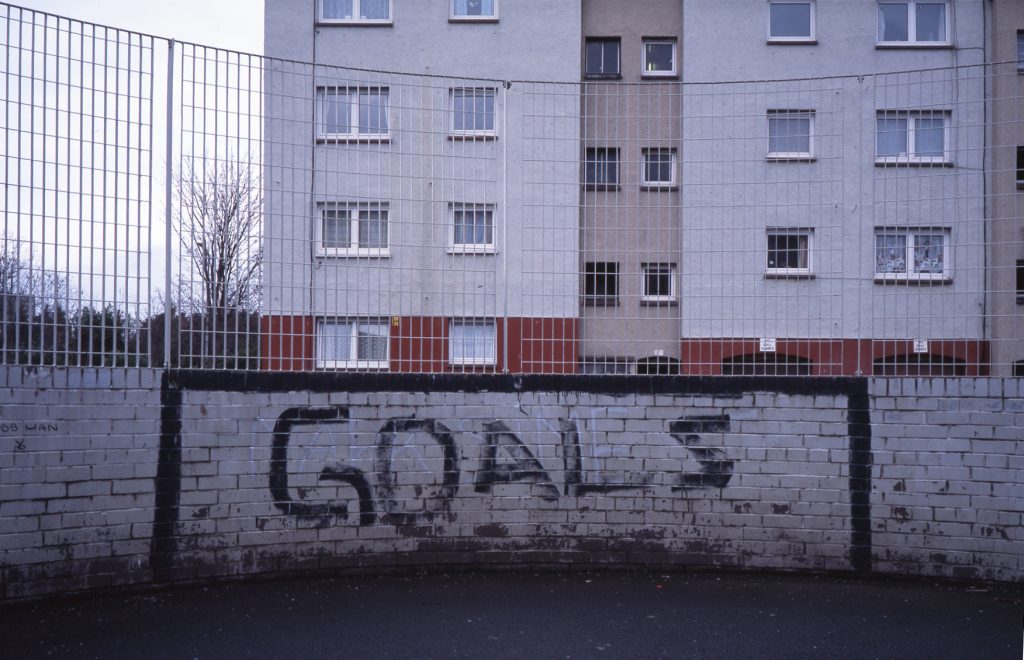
{"x": 232, "y": 24}
{"x": 229, "y": 24}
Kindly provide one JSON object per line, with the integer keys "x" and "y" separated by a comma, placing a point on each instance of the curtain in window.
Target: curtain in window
{"x": 336, "y": 229}
{"x": 789, "y": 134}
{"x": 472, "y": 227}
{"x": 929, "y": 135}
{"x": 373, "y": 229}
{"x": 474, "y": 7}
{"x": 473, "y": 110}
{"x": 473, "y": 343}
{"x": 890, "y": 253}
{"x": 1020, "y": 50}
{"x": 891, "y": 138}
{"x": 334, "y": 112}
{"x": 335, "y": 342}
{"x": 373, "y": 112}
{"x": 375, "y": 9}
{"x": 372, "y": 342}
{"x": 337, "y": 9}
{"x": 928, "y": 253}
{"x": 893, "y": 23}
{"x": 931, "y": 21}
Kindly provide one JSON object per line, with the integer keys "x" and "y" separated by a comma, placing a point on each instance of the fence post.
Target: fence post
{"x": 168, "y": 218}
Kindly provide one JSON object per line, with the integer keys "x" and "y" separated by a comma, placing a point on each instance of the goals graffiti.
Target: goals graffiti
{"x": 504, "y": 459}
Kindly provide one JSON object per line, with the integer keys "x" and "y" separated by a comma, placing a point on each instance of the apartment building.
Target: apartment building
{"x": 591, "y": 186}
{"x": 1006, "y": 187}
{"x": 833, "y": 222}
{"x": 396, "y": 236}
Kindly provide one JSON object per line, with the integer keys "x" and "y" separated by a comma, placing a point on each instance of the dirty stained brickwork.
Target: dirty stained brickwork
{"x": 112, "y": 477}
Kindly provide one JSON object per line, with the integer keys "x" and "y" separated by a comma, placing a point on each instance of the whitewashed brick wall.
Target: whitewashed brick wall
{"x": 107, "y": 479}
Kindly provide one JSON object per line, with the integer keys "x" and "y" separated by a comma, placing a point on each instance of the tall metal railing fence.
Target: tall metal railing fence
{"x": 168, "y": 203}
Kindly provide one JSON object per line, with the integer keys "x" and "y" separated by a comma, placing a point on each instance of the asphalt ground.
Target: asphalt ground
{"x": 529, "y": 615}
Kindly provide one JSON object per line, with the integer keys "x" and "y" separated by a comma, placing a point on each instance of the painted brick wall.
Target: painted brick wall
{"x": 948, "y": 477}
{"x": 111, "y": 477}
{"x": 78, "y": 458}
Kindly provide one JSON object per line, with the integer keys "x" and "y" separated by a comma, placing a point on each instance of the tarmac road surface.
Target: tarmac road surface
{"x": 529, "y": 615}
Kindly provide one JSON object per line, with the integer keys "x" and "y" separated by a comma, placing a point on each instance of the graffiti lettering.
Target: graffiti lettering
{"x": 519, "y": 464}
{"x": 416, "y": 466}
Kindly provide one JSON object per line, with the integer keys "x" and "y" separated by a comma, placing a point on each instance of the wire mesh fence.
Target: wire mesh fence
{"x": 174, "y": 204}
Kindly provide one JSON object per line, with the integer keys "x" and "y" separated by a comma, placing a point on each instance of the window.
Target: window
{"x": 472, "y": 228}
{"x": 472, "y": 342}
{"x": 1020, "y": 281}
{"x": 790, "y": 134}
{"x": 659, "y": 169}
{"x": 1020, "y": 50}
{"x": 355, "y": 11}
{"x": 913, "y": 24}
{"x": 353, "y": 230}
{"x": 601, "y": 283}
{"x": 474, "y": 10}
{"x": 912, "y": 254}
{"x": 766, "y": 364}
{"x": 657, "y": 365}
{"x": 790, "y": 22}
{"x": 921, "y": 365}
{"x": 601, "y": 168}
{"x": 605, "y": 365}
{"x": 659, "y": 58}
{"x": 473, "y": 112}
{"x": 1020, "y": 167}
{"x": 1018, "y": 369}
{"x": 658, "y": 283}
{"x": 352, "y": 113}
{"x": 602, "y": 58}
{"x": 789, "y": 252}
{"x": 352, "y": 344}
{"x": 912, "y": 137}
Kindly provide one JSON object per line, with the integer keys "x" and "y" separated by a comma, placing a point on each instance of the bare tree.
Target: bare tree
{"x": 218, "y": 226}
{"x": 34, "y": 317}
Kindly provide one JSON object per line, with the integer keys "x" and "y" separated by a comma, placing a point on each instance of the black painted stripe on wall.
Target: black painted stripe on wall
{"x": 164, "y": 545}
{"x": 235, "y": 381}
{"x": 859, "y": 416}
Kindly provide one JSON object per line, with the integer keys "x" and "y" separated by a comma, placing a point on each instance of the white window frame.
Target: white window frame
{"x": 791, "y": 155}
{"x": 471, "y": 248}
{"x": 353, "y": 362}
{"x": 464, "y": 133}
{"x": 912, "y": 40}
{"x": 908, "y": 274}
{"x": 353, "y": 93}
{"x": 811, "y": 38}
{"x": 661, "y": 267}
{"x": 455, "y": 17}
{"x": 352, "y": 209}
{"x": 355, "y": 20}
{"x": 490, "y": 359}
{"x": 805, "y": 232}
{"x": 646, "y": 152}
{"x": 644, "y": 72}
{"x": 909, "y": 157}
